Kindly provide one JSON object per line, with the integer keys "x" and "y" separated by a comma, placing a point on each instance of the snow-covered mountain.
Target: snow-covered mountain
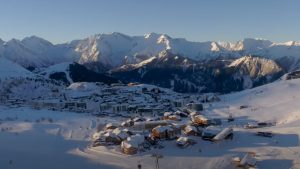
{"x": 9, "y": 70}
{"x": 186, "y": 75}
{"x": 116, "y": 49}
{"x": 253, "y": 69}
{"x": 159, "y": 59}
{"x": 35, "y": 52}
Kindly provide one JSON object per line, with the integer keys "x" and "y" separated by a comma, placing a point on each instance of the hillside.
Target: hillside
{"x": 9, "y": 69}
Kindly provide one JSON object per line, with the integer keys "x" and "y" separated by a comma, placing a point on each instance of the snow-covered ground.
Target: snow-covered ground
{"x": 49, "y": 139}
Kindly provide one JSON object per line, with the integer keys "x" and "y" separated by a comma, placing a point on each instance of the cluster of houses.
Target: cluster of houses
{"x": 133, "y": 100}
{"x": 141, "y": 133}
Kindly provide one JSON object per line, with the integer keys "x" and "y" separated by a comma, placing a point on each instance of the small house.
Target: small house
{"x": 225, "y": 133}
{"x": 165, "y": 132}
{"x": 210, "y": 132}
{"x": 121, "y": 134}
{"x": 110, "y": 126}
{"x": 148, "y": 125}
{"x": 112, "y": 138}
{"x": 132, "y": 144}
{"x": 191, "y": 131}
{"x": 183, "y": 142}
{"x": 200, "y": 120}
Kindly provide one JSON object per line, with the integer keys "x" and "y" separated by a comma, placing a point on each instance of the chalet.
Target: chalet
{"x": 112, "y": 138}
{"x": 225, "y": 133}
{"x": 138, "y": 119}
{"x": 99, "y": 139}
{"x": 200, "y": 120}
{"x": 183, "y": 142}
{"x": 173, "y": 117}
{"x": 149, "y": 125}
{"x": 247, "y": 161}
{"x": 167, "y": 114}
{"x": 127, "y": 123}
{"x": 121, "y": 134}
{"x": 210, "y": 132}
{"x": 192, "y": 131}
{"x": 165, "y": 132}
{"x": 110, "y": 126}
{"x": 132, "y": 144}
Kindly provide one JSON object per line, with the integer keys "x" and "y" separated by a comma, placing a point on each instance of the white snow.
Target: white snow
{"x": 61, "y": 67}
{"x": 64, "y": 141}
{"x": 116, "y": 49}
{"x": 9, "y": 69}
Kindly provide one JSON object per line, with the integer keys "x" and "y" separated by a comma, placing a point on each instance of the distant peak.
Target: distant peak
{"x": 112, "y": 34}
{"x": 35, "y": 40}
{"x": 151, "y": 35}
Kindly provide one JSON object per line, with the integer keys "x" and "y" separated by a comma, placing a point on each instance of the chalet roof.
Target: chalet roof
{"x": 163, "y": 128}
{"x": 189, "y": 128}
{"x": 133, "y": 141}
{"x": 120, "y": 133}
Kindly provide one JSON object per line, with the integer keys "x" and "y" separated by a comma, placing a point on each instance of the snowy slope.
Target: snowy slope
{"x": 278, "y": 101}
{"x": 35, "y": 52}
{"x": 61, "y": 67}
{"x": 9, "y": 69}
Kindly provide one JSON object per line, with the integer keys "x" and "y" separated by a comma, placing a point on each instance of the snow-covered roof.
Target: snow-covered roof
{"x": 133, "y": 141}
{"x": 163, "y": 128}
{"x": 189, "y": 128}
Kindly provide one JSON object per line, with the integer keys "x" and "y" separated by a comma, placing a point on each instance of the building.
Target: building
{"x": 200, "y": 120}
{"x": 132, "y": 144}
{"x": 119, "y": 108}
{"x": 165, "y": 132}
{"x": 195, "y": 106}
{"x": 191, "y": 131}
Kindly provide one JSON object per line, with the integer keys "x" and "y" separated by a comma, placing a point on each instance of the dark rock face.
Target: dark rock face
{"x": 185, "y": 75}
{"x": 79, "y": 73}
{"x": 60, "y": 76}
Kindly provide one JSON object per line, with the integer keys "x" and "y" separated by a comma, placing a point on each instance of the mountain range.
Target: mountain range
{"x": 159, "y": 59}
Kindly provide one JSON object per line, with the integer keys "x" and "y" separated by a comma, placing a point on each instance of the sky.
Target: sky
{"x": 196, "y": 20}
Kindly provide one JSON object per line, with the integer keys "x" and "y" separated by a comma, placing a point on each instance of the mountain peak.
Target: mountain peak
{"x": 152, "y": 35}
{"x": 35, "y": 40}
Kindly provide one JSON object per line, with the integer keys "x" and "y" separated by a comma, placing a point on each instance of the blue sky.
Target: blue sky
{"x": 196, "y": 20}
